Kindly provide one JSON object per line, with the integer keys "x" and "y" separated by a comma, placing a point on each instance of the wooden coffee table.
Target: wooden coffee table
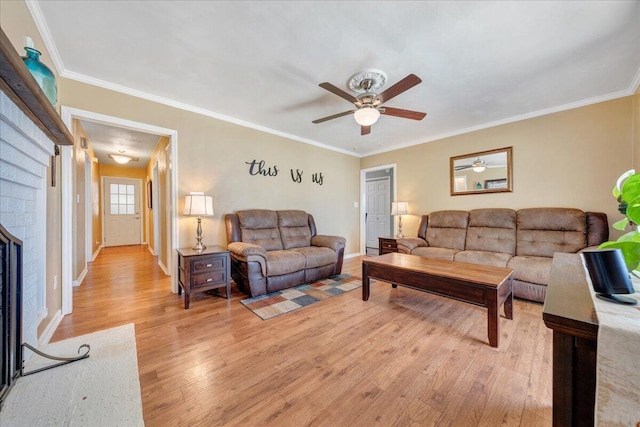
{"x": 486, "y": 286}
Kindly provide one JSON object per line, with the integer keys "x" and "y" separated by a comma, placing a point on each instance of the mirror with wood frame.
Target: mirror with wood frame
{"x": 483, "y": 172}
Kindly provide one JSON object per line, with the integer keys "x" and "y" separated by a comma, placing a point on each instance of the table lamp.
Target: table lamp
{"x": 198, "y": 205}
{"x": 399, "y": 208}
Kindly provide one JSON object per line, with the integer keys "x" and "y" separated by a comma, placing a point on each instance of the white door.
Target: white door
{"x": 122, "y": 224}
{"x": 378, "y": 210}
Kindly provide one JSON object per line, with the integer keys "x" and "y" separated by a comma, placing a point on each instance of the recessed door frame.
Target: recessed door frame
{"x": 68, "y": 114}
{"x": 363, "y": 199}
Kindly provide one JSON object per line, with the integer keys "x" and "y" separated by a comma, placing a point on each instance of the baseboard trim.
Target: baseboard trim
{"x": 151, "y": 250}
{"x": 80, "y": 278}
{"x": 50, "y": 329}
{"x": 163, "y": 267}
{"x": 95, "y": 254}
{"x": 357, "y": 254}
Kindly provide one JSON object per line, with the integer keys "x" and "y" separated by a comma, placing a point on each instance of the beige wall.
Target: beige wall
{"x": 567, "y": 159}
{"x": 96, "y": 196}
{"x": 636, "y": 130}
{"x": 79, "y": 196}
{"x": 159, "y": 157}
{"x": 53, "y": 261}
{"x": 212, "y": 156}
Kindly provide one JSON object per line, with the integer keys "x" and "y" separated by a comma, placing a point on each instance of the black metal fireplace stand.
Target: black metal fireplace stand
{"x": 63, "y": 360}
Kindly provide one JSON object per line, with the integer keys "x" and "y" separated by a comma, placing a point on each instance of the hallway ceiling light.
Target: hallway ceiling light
{"x": 122, "y": 159}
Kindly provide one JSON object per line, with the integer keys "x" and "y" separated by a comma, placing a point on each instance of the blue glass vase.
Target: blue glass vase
{"x": 43, "y": 75}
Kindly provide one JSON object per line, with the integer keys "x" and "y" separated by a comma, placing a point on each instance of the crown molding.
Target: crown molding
{"x": 534, "y": 114}
{"x": 182, "y": 106}
{"x": 43, "y": 28}
{"x": 633, "y": 87}
{"x": 36, "y": 13}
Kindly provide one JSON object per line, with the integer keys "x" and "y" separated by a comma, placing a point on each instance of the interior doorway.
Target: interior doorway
{"x": 67, "y": 196}
{"x": 378, "y": 190}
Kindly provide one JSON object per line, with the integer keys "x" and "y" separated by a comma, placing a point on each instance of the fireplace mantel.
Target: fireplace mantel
{"x": 23, "y": 90}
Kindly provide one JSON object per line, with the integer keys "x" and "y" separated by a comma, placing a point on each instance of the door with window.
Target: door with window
{"x": 122, "y": 223}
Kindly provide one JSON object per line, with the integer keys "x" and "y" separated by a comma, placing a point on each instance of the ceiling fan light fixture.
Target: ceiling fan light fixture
{"x": 479, "y": 168}
{"x": 366, "y": 116}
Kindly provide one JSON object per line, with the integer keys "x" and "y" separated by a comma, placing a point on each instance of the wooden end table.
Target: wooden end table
{"x": 203, "y": 271}
{"x": 387, "y": 244}
{"x": 482, "y": 285}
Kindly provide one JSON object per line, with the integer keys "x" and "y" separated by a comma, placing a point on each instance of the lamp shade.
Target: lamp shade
{"x": 197, "y": 204}
{"x": 399, "y": 208}
{"x": 366, "y": 116}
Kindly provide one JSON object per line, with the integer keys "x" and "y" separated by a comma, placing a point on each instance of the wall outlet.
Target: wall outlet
{"x": 55, "y": 282}
{"x": 355, "y": 204}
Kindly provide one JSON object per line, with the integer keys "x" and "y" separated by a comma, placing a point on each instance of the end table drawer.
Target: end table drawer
{"x": 202, "y": 265}
{"x": 386, "y": 244}
{"x": 209, "y": 279}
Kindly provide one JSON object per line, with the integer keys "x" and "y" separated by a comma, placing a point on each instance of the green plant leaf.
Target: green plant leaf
{"x": 631, "y": 188}
{"x": 632, "y": 236}
{"x": 617, "y": 189}
{"x": 622, "y": 224}
{"x": 633, "y": 210}
{"x": 630, "y": 251}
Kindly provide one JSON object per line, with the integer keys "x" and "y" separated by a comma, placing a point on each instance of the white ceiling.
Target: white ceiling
{"x": 107, "y": 140}
{"x": 260, "y": 63}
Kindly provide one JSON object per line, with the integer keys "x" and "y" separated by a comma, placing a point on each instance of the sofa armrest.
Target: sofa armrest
{"x": 246, "y": 249}
{"x": 248, "y": 252}
{"x": 332, "y": 242}
{"x": 407, "y": 244}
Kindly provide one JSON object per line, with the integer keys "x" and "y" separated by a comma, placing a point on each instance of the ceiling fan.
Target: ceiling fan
{"x": 369, "y": 103}
{"x": 477, "y": 165}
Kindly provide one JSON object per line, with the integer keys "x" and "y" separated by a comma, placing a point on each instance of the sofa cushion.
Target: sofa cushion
{"x": 316, "y": 256}
{"x": 260, "y": 227}
{"x": 496, "y": 259}
{"x": 447, "y": 229}
{"x": 492, "y": 230}
{"x": 531, "y": 269}
{"x": 437, "y": 253}
{"x": 543, "y": 231}
{"x": 294, "y": 229}
{"x": 284, "y": 262}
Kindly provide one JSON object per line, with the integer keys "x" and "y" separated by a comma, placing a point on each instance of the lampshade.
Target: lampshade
{"x": 197, "y": 204}
{"x": 366, "y": 116}
{"x": 399, "y": 208}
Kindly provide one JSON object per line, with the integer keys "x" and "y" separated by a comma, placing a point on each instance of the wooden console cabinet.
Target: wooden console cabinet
{"x": 203, "y": 271}
{"x": 569, "y": 311}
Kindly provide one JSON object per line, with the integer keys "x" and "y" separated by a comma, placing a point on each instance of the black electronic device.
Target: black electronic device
{"x": 609, "y": 275}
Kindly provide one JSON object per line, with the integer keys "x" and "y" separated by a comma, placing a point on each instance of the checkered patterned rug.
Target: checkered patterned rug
{"x": 280, "y": 302}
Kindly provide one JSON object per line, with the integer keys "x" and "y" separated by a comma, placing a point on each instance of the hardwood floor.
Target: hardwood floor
{"x": 403, "y": 358}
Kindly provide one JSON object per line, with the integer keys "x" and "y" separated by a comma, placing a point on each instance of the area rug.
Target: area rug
{"x": 276, "y": 303}
{"x": 102, "y": 390}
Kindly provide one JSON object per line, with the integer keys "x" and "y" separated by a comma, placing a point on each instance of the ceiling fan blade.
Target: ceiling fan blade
{"x": 460, "y": 168}
{"x": 365, "y": 130}
{"x": 335, "y": 116}
{"x": 405, "y": 84}
{"x": 337, "y": 91}
{"x": 407, "y": 114}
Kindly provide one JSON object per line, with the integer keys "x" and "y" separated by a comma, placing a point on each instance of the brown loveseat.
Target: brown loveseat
{"x": 274, "y": 250}
{"x": 523, "y": 240}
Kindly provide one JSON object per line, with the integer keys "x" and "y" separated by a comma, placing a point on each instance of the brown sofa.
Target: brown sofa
{"x": 523, "y": 240}
{"x": 274, "y": 250}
